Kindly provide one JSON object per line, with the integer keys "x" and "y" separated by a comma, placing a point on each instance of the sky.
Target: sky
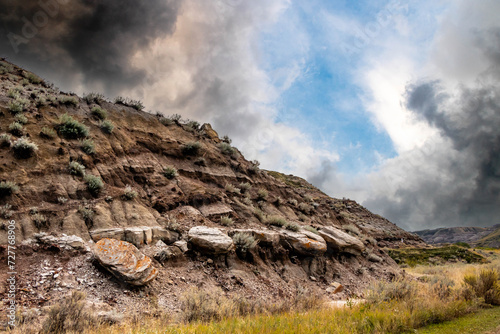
{"x": 394, "y": 104}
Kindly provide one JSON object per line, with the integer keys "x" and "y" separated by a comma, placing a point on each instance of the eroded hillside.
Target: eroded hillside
{"x": 110, "y": 170}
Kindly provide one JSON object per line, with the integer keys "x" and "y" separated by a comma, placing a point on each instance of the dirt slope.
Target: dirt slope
{"x": 208, "y": 186}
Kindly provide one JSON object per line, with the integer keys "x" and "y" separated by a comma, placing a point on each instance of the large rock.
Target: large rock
{"x": 125, "y": 261}
{"x": 341, "y": 241}
{"x": 210, "y": 240}
{"x": 303, "y": 242}
{"x": 107, "y": 233}
{"x": 167, "y": 236}
{"x": 139, "y": 236}
{"x": 64, "y": 241}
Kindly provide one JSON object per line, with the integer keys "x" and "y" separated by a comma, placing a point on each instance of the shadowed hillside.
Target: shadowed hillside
{"x": 83, "y": 176}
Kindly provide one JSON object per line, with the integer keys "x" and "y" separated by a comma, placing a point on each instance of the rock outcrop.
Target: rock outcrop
{"x": 341, "y": 241}
{"x": 303, "y": 242}
{"x": 125, "y": 261}
{"x": 210, "y": 240}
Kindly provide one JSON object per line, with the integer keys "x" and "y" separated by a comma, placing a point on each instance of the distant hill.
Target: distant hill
{"x": 478, "y": 236}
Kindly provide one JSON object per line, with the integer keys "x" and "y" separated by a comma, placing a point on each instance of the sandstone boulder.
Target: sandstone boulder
{"x": 182, "y": 244}
{"x": 341, "y": 241}
{"x": 139, "y": 236}
{"x": 210, "y": 240}
{"x": 167, "y": 236}
{"x": 125, "y": 261}
{"x": 108, "y": 233}
{"x": 65, "y": 241}
{"x": 303, "y": 242}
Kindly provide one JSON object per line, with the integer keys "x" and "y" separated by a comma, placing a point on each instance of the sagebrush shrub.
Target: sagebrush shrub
{"x": 311, "y": 229}
{"x": 276, "y": 221}
{"x": 226, "y": 221}
{"x": 70, "y": 128}
{"x": 292, "y": 227}
{"x": 107, "y": 126}
{"x": 262, "y": 194}
{"x": 244, "y": 241}
{"x": 8, "y": 188}
{"x": 16, "y": 129}
{"x": 253, "y": 168}
{"x": 5, "y": 211}
{"x": 48, "y": 133}
{"x": 99, "y": 112}
{"x": 231, "y": 189}
{"x": 245, "y": 187}
{"x": 191, "y": 148}
{"x": 485, "y": 285}
{"x": 93, "y": 98}
{"x": 227, "y": 149}
{"x": 200, "y": 162}
{"x": 88, "y": 146}
{"x": 40, "y": 221}
{"x": 75, "y": 168}
{"x": 87, "y": 214}
{"x": 69, "y": 315}
{"x": 68, "y": 100}
{"x": 33, "y": 78}
{"x": 129, "y": 193}
{"x": 169, "y": 172}
{"x": 16, "y": 106}
{"x": 5, "y": 140}
{"x": 94, "y": 184}
{"x": 20, "y": 118}
{"x": 24, "y": 148}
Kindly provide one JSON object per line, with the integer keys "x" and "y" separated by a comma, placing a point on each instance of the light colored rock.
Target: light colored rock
{"x": 160, "y": 233}
{"x": 336, "y": 287}
{"x": 210, "y": 132}
{"x": 125, "y": 261}
{"x": 210, "y": 240}
{"x": 64, "y": 241}
{"x": 374, "y": 258}
{"x": 217, "y": 209}
{"x": 134, "y": 235}
{"x": 182, "y": 244}
{"x": 168, "y": 253}
{"x": 341, "y": 241}
{"x": 304, "y": 242}
{"x": 109, "y": 233}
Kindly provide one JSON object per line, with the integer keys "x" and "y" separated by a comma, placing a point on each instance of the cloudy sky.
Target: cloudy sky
{"x": 392, "y": 103}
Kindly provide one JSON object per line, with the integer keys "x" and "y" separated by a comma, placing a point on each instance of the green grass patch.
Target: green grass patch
{"x": 483, "y": 321}
{"x": 426, "y": 256}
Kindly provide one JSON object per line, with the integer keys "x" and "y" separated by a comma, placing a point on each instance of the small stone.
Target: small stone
{"x": 312, "y": 278}
{"x": 210, "y": 261}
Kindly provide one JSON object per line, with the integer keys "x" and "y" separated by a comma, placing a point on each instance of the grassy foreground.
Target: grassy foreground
{"x": 439, "y": 294}
{"x": 484, "y": 321}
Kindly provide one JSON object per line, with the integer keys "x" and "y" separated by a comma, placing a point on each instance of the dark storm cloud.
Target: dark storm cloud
{"x": 94, "y": 39}
{"x": 458, "y": 181}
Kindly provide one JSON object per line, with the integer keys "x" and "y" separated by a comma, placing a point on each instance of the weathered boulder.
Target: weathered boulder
{"x": 265, "y": 237}
{"x": 169, "y": 253}
{"x": 341, "y": 241}
{"x": 109, "y": 233}
{"x": 182, "y": 244}
{"x": 210, "y": 240}
{"x": 208, "y": 131}
{"x": 65, "y": 241}
{"x": 303, "y": 242}
{"x": 167, "y": 236}
{"x": 125, "y": 261}
{"x": 374, "y": 258}
{"x": 139, "y": 236}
